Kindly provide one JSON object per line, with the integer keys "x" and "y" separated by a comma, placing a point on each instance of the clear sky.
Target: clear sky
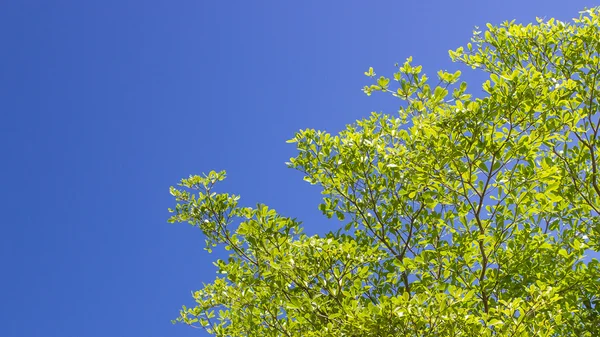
{"x": 105, "y": 104}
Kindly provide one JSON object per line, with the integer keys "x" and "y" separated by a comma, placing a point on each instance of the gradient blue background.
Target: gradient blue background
{"x": 105, "y": 104}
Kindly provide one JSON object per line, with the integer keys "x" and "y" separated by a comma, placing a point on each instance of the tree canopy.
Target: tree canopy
{"x": 458, "y": 215}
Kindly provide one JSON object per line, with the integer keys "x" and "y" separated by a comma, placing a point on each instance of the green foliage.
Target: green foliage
{"x": 459, "y": 216}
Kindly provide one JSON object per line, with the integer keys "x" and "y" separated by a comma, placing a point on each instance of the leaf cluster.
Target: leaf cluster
{"x": 459, "y": 216}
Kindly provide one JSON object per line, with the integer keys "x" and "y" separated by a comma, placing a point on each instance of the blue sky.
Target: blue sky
{"x": 105, "y": 104}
